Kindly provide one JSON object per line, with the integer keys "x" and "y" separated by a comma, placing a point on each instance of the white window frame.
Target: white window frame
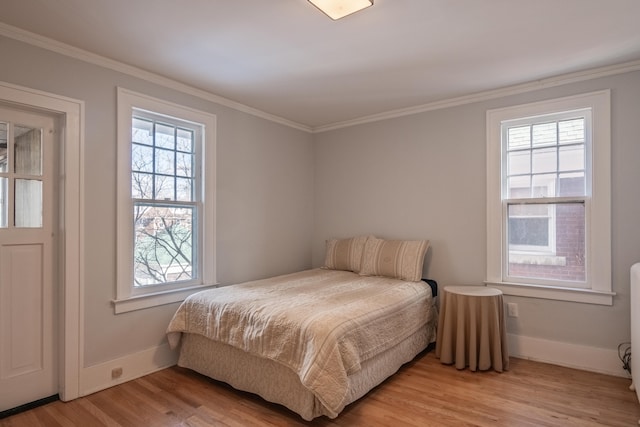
{"x": 128, "y": 297}
{"x": 598, "y": 286}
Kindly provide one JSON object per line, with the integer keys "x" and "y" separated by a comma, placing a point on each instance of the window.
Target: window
{"x": 548, "y": 199}
{"x": 544, "y": 190}
{"x": 165, "y": 201}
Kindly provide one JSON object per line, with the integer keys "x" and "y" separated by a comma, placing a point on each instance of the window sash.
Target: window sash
{"x": 167, "y": 258}
{"x": 508, "y": 250}
{"x": 553, "y": 187}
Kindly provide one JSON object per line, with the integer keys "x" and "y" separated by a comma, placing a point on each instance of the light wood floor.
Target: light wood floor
{"x": 423, "y": 393}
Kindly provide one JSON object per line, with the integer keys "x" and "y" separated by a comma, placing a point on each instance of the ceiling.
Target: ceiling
{"x": 285, "y": 58}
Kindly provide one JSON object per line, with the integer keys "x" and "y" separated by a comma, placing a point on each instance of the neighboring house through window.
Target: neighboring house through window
{"x": 548, "y": 199}
{"x": 165, "y": 201}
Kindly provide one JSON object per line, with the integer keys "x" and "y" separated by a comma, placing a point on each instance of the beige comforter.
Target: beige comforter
{"x": 320, "y": 323}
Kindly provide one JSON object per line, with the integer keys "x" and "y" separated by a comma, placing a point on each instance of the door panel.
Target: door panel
{"x": 21, "y": 300}
{"x": 28, "y": 316}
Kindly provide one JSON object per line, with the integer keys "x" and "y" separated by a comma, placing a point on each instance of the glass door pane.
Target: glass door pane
{"x": 28, "y": 151}
{"x": 28, "y": 203}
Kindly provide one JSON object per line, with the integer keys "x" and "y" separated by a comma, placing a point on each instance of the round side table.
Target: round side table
{"x": 471, "y": 329}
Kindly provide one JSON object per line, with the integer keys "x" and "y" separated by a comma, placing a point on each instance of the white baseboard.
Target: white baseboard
{"x": 98, "y": 377}
{"x": 604, "y": 361}
{"x": 600, "y": 360}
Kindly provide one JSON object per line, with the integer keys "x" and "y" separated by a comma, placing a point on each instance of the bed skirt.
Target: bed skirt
{"x": 278, "y": 384}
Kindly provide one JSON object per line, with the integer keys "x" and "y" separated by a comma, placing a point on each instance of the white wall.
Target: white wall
{"x": 264, "y": 197}
{"x": 423, "y": 176}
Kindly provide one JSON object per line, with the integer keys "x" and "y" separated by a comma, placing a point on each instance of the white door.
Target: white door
{"x": 28, "y": 288}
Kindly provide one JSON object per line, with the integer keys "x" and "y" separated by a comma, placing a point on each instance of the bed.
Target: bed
{"x": 315, "y": 340}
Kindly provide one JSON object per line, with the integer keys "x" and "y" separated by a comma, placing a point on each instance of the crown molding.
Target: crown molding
{"x": 83, "y": 55}
{"x": 560, "y": 80}
{"x": 92, "y": 58}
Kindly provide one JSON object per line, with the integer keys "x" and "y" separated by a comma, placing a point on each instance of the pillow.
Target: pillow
{"x": 398, "y": 259}
{"x": 345, "y": 254}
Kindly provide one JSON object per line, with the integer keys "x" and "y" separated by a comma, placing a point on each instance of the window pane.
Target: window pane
{"x": 164, "y": 244}
{"x": 544, "y": 134}
{"x": 165, "y": 188}
{"x": 141, "y": 158}
{"x": 165, "y": 162}
{"x": 544, "y": 160}
{"x": 544, "y": 185}
{"x": 519, "y": 137}
{"x": 185, "y": 140}
{"x": 4, "y": 152}
{"x": 142, "y": 186}
{"x": 28, "y": 203}
{"x": 165, "y": 136}
{"x": 142, "y": 131}
{"x": 519, "y": 187}
{"x": 571, "y": 131}
{"x": 572, "y": 184}
{"x": 551, "y": 248}
{"x": 184, "y": 164}
{"x": 28, "y": 151}
{"x": 519, "y": 162}
{"x": 4, "y": 202}
{"x": 184, "y": 190}
{"x": 571, "y": 158}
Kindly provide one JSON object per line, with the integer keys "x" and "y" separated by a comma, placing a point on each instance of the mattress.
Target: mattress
{"x": 313, "y": 341}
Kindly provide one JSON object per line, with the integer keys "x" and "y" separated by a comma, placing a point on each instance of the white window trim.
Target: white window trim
{"x": 598, "y": 250}
{"x": 127, "y": 299}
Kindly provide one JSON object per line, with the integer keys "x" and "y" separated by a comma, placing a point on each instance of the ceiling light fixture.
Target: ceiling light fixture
{"x": 336, "y": 9}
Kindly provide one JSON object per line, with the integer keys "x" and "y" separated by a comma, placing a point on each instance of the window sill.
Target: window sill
{"x": 139, "y": 302}
{"x": 585, "y": 296}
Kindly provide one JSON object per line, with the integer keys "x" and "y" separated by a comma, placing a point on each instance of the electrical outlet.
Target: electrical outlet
{"x": 116, "y": 373}
{"x": 512, "y": 309}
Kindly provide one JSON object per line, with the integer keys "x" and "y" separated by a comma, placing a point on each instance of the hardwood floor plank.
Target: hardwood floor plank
{"x": 77, "y": 415}
{"x": 112, "y": 403}
{"x": 423, "y": 393}
{"x": 98, "y": 416}
{"x": 28, "y": 418}
{"x": 43, "y": 413}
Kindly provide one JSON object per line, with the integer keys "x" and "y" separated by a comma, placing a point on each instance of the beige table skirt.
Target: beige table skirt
{"x": 471, "y": 329}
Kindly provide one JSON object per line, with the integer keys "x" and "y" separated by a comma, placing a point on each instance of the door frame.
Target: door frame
{"x": 70, "y": 197}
